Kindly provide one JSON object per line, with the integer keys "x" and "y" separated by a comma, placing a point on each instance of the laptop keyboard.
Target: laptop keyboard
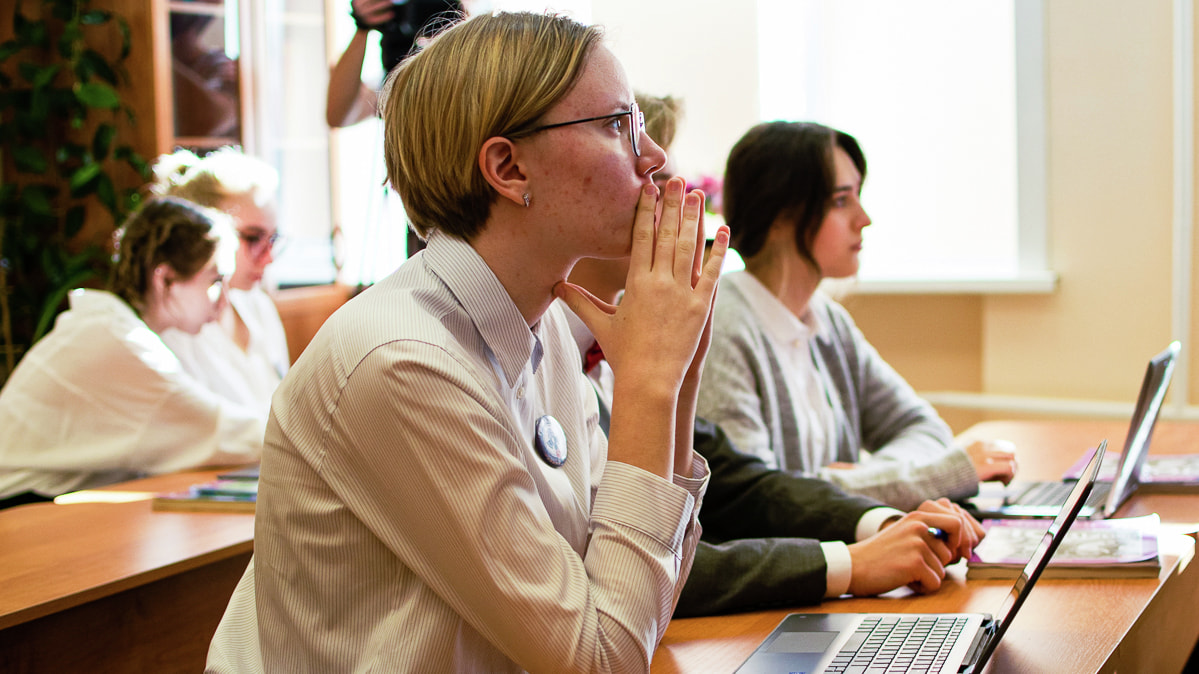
{"x": 1056, "y": 493}
{"x": 899, "y": 644}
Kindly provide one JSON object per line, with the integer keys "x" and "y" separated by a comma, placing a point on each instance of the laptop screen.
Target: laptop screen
{"x": 1140, "y": 431}
{"x": 1049, "y": 544}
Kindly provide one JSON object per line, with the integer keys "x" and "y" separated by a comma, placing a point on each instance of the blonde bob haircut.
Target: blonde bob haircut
{"x": 487, "y": 76}
{"x": 218, "y": 175}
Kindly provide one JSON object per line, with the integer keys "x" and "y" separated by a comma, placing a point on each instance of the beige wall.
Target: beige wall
{"x": 1109, "y": 76}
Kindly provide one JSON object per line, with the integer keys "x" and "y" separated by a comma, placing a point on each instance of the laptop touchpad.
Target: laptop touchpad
{"x": 802, "y": 642}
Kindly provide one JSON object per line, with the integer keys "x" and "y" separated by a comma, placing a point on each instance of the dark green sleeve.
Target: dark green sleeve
{"x": 753, "y": 574}
{"x": 747, "y": 499}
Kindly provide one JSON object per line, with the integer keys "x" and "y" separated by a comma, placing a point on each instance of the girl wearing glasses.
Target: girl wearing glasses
{"x": 243, "y": 355}
{"x": 101, "y": 399}
{"x": 436, "y": 493}
{"x": 791, "y": 379}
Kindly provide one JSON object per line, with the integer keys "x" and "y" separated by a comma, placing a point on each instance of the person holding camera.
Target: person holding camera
{"x": 401, "y": 25}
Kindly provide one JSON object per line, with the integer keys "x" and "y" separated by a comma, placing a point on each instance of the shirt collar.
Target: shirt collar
{"x": 777, "y": 319}
{"x": 486, "y": 302}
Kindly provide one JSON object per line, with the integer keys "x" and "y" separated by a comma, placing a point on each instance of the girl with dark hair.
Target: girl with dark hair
{"x": 101, "y": 398}
{"x": 790, "y": 378}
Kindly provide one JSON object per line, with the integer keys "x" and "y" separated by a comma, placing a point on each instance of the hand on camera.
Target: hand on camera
{"x": 371, "y": 14}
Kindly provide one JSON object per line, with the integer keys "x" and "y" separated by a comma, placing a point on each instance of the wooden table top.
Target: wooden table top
{"x": 54, "y": 556}
{"x": 1076, "y": 625}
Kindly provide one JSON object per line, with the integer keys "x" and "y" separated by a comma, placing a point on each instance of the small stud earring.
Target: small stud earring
{"x": 526, "y": 198}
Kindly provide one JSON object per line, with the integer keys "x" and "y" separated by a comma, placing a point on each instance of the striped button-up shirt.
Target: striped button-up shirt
{"x": 406, "y": 519}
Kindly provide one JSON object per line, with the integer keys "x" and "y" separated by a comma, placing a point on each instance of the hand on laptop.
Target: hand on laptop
{"x": 994, "y": 460}
{"x": 904, "y": 552}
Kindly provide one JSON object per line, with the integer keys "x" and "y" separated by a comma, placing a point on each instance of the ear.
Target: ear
{"x": 162, "y": 279}
{"x": 498, "y": 160}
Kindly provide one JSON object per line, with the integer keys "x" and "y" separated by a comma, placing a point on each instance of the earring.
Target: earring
{"x": 526, "y": 198}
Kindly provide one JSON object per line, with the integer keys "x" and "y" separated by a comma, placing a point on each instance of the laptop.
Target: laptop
{"x": 811, "y": 643}
{"x": 1044, "y": 499}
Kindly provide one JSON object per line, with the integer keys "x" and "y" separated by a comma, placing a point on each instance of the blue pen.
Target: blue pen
{"x": 939, "y": 534}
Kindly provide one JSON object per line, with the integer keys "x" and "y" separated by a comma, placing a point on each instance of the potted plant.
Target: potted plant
{"x": 63, "y": 165}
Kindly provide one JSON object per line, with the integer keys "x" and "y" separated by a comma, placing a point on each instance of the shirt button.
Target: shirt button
{"x": 520, "y": 393}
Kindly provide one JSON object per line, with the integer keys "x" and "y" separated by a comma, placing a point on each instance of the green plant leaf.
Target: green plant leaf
{"x": 107, "y": 194}
{"x": 102, "y": 141}
{"x": 76, "y": 216}
{"x": 29, "y": 159}
{"x": 9, "y": 48}
{"x": 98, "y": 95}
{"x": 126, "y": 37}
{"x": 93, "y": 63}
{"x": 53, "y": 304}
{"x": 45, "y": 76}
{"x": 69, "y": 39}
{"x": 32, "y": 33}
{"x": 82, "y": 178}
{"x": 36, "y": 200}
{"x": 94, "y": 17}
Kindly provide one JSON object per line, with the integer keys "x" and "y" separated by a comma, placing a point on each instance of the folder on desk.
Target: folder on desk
{"x": 1124, "y": 547}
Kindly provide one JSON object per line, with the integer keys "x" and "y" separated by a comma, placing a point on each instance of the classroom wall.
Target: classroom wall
{"x": 1109, "y": 69}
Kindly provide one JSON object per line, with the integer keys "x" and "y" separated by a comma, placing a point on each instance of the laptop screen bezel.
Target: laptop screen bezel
{"x": 1140, "y": 430}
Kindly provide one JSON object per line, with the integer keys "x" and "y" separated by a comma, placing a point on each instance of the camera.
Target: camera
{"x": 413, "y": 19}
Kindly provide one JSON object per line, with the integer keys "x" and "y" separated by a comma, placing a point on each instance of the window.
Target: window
{"x": 945, "y": 98}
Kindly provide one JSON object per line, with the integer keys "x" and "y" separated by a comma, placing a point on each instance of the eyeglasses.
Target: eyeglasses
{"x": 259, "y": 242}
{"x": 636, "y": 128}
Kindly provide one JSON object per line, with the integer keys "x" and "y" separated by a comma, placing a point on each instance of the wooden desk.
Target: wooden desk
{"x": 116, "y": 587}
{"x": 1064, "y": 626}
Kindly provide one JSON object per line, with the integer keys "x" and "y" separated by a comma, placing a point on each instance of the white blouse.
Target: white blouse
{"x": 101, "y": 399}
{"x": 247, "y": 377}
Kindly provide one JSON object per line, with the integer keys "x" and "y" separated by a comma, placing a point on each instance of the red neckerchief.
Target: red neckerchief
{"x": 593, "y": 356}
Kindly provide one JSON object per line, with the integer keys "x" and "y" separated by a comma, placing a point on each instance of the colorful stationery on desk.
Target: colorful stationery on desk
{"x": 230, "y": 496}
{"x": 1116, "y": 548}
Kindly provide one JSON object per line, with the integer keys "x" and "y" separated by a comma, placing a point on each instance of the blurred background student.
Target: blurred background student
{"x": 242, "y": 355}
{"x": 790, "y": 378}
{"x": 101, "y": 398}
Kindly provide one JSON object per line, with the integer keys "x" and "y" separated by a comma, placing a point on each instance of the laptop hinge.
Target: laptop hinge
{"x": 984, "y": 635}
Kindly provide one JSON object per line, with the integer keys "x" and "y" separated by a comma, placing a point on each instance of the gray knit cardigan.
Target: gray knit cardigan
{"x": 911, "y": 453}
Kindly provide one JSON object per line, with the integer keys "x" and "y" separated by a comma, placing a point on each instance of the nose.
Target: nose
{"x": 652, "y": 158}
{"x": 863, "y": 219}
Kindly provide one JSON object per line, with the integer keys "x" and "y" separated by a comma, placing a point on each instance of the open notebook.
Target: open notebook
{"x": 903, "y": 642}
